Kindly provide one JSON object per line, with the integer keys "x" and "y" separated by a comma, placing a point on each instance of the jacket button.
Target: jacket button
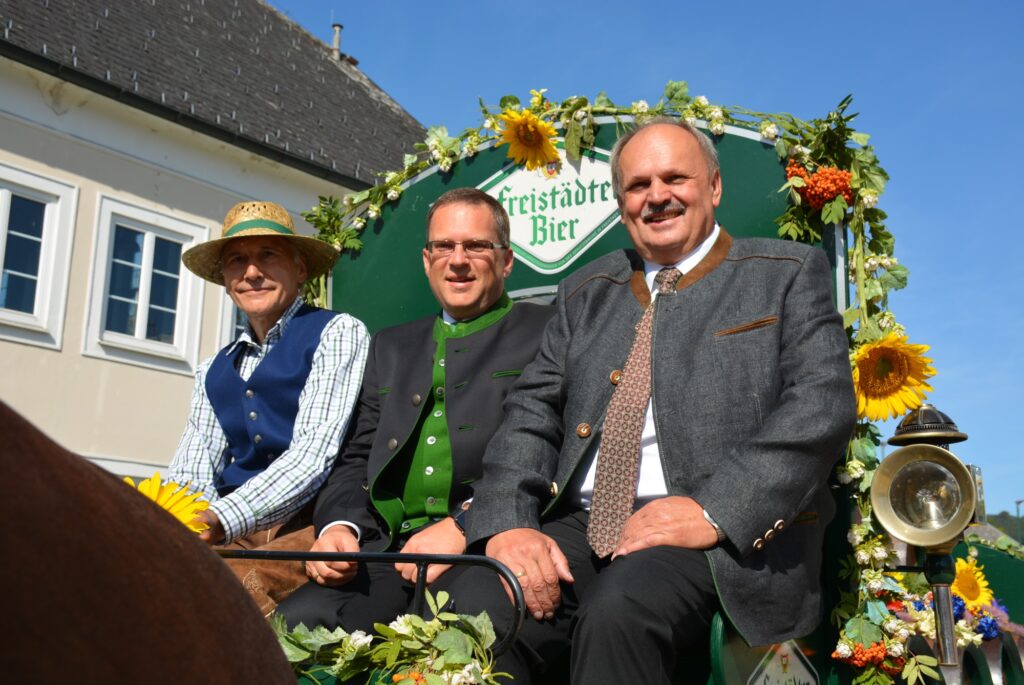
{"x": 553, "y": 489}
{"x": 249, "y": 393}
{"x": 758, "y": 544}
{"x": 416, "y": 399}
{"x": 392, "y": 443}
{"x": 769, "y": 535}
{"x": 257, "y": 439}
{"x": 615, "y": 376}
{"x": 583, "y": 430}
{"x": 366, "y": 486}
{"x": 779, "y": 525}
{"x": 253, "y": 415}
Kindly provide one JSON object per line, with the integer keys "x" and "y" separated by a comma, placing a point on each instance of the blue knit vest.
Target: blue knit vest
{"x": 258, "y": 415}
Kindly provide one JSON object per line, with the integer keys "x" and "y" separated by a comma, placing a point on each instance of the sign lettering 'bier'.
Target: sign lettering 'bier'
{"x": 556, "y": 213}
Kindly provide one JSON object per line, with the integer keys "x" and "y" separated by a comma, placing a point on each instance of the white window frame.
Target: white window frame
{"x": 182, "y": 355}
{"x": 44, "y": 327}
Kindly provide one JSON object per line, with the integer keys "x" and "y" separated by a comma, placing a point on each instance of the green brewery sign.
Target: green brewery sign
{"x": 562, "y": 217}
{"x": 556, "y": 213}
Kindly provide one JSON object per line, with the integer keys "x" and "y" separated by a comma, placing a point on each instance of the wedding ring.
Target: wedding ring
{"x": 520, "y": 574}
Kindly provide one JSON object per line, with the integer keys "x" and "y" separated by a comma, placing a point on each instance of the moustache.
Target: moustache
{"x": 671, "y": 208}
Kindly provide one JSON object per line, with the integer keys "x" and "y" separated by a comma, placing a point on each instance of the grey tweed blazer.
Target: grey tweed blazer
{"x": 753, "y": 406}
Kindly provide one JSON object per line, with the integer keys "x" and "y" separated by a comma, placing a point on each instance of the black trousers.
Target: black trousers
{"x": 638, "y": 619}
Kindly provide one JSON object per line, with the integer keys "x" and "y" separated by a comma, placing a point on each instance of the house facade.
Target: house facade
{"x": 127, "y": 130}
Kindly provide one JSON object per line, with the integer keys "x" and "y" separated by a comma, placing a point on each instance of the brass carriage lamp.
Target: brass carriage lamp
{"x": 926, "y": 496}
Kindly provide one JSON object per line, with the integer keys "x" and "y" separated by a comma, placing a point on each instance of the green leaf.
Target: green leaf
{"x": 865, "y": 483}
{"x": 873, "y": 288}
{"x": 408, "y": 160}
{"x": 456, "y": 645}
{"x": 431, "y": 603}
{"x": 448, "y": 616}
{"x": 602, "y": 100}
{"x": 868, "y": 332}
{"x": 677, "y": 93}
{"x": 589, "y": 133}
{"x": 573, "y": 135}
{"x": 509, "y": 102}
{"x": 850, "y": 316}
{"x": 781, "y": 149}
{"x": 834, "y": 211}
{"x": 876, "y": 611}
{"x": 863, "y": 631}
{"x": 860, "y": 138}
{"x": 895, "y": 277}
{"x": 926, "y": 660}
{"x": 434, "y": 679}
{"x": 481, "y": 626}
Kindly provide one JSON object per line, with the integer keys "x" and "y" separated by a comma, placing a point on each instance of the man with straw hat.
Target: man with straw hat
{"x": 269, "y": 410}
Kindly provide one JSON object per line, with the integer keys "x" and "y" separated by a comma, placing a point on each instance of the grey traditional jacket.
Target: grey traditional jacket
{"x": 753, "y": 405}
{"x": 480, "y": 369}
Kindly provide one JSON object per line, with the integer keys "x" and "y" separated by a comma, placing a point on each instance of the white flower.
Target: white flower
{"x": 972, "y": 552}
{"x": 692, "y": 121}
{"x": 393, "y": 193}
{"x": 966, "y": 636}
{"x": 894, "y": 649}
{"x": 349, "y": 201}
{"x": 880, "y": 553}
{"x": 402, "y": 625}
{"x": 580, "y": 115}
{"x": 902, "y": 635}
{"x": 855, "y": 468}
{"x": 799, "y": 151}
{"x": 488, "y": 123}
{"x": 436, "y": 153}
{"x": 373, "y": 211}
{"x": 537, "y": 97}
{"x": 868, "y": 198}
{"x": 854, "y": 537}
{"x": 716, "y": 113}
{"x": 391, "y": 177}
{"x": 359, "y": 222}
{"x": 769, "y": 130}
{"x": 717, "y": 127}
{"x": 891, "y": 625}
{"x": 862, "y": 556}
{"x": 886, "y": 320}
{"x": 844, "y": 650}
{"x": 445, "y": 164}
{"x": 640, "y": 106}
{"x": 875, "y": 585}
{"x": 700, "y": 101}
{"x": 359, "y": 639}
{"x": 844, "y": 478}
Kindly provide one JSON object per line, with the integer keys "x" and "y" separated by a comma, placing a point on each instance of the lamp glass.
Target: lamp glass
{"x": 925, "y": 495}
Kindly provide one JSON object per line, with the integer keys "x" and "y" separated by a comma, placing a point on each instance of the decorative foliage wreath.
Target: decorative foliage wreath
{"x": 832, "y": 177}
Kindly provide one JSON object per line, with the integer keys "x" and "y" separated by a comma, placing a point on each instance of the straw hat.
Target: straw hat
{"x": 248, "y": 219}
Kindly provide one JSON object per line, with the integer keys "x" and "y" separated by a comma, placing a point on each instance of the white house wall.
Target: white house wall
{"x": 127, "y": 415}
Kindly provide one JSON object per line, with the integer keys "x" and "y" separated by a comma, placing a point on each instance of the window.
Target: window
{"x": 145, "y": 306}
{"x": 36, "y": 232}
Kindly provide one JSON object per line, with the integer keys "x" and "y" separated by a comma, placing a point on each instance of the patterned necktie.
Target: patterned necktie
{"x": 618, "y": 461}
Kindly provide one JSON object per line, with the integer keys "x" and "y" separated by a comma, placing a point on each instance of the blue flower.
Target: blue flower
{"x": 959, "y": 606}
{"x": 988, "y": 627}
{"x": 919, "y": 605}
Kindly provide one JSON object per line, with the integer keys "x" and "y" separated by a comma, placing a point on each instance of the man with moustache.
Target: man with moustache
{"x": 666, "y": 455}
{"x": 270, "y": 409}
{"x": 431, "y": 399}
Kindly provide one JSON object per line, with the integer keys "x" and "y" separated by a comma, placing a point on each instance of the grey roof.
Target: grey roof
{"x": 237, "y": 70}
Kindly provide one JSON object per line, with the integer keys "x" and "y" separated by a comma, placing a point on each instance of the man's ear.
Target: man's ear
{"x": 509, "y": 261}
{"x": 716, "y": 188}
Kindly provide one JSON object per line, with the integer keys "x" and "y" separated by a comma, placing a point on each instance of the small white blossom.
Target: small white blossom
{"x": 868, "y": 198}
{"x": 880, "y": 553}
{"x": 716, "y": 113}
{"x": 972, "y": 552}
{"x": 902, "y": 634}
{"x": 445, "y": 164}
{"x": 359, "y": 222}
{"x": 692, "y": 121}
{"x": 844, "y": 650}
{"x": 580, "y": 115}
{"x": 769, "y": 130}
{"x": 894, "y": 649}
{"x": 391, "y": 177}
{"x": 799, "y": 151}
{"x": 875, "y": 585}
{"x": 436, "y": 154}
{"x": 886, "y": 320}
{"x": 717, "y": 126}
{"x": 402, "y": 625}
{"x": 393, "y": 193}
{"x": 862, "y": 556}
{"x": 349, "y": 201}
{"x": 640, "y": 107}
{"x": 488, "y": 123}
{"x": 855, "y": 469}
{"x": 965, "y": 635}
{"x": 360, "y": 639}
{"x": 854, "y": 537}
{"x": 373, "y": 211}
{"x": 700, "y": 101}
{"x": 844, "y": 478}
{"x": 891, "y": 625}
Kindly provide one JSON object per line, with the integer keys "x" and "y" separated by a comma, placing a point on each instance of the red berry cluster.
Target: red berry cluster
{"x": 862, "y": 656}
{"x": 823, "y": 185}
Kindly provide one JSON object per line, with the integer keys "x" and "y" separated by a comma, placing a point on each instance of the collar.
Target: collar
{"x": 687, "y": 263}
{"x": 447, "y": 327}
{"x": 276, "y": 331}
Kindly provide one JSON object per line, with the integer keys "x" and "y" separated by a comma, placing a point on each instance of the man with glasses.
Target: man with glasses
{"x": 431, "y": 399}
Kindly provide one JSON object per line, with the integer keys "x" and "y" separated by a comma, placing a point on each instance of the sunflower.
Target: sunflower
{"x": 971, "y": 585}
{"x": 889, "y": 377}
{"x": 175, "y": 499}
{"x": 530, "y": 140}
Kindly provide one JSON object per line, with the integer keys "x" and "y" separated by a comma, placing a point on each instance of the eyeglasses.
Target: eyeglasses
{"x": 444, "y": 248}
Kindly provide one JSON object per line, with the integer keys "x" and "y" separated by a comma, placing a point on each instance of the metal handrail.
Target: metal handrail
{"x": 422, "y": 561}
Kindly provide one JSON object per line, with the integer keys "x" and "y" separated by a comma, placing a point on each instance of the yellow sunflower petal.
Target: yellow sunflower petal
{"x": 151, "y": 486}
{"x": 889, "y": 377}
{"x": 971, "y": 585}
{"x": 529, "y": 138}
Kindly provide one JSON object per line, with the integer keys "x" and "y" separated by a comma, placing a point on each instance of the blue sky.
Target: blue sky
{"x": 938, "y": 86}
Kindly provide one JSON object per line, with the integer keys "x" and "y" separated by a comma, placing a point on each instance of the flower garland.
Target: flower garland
{"x": 832, "y": 177}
